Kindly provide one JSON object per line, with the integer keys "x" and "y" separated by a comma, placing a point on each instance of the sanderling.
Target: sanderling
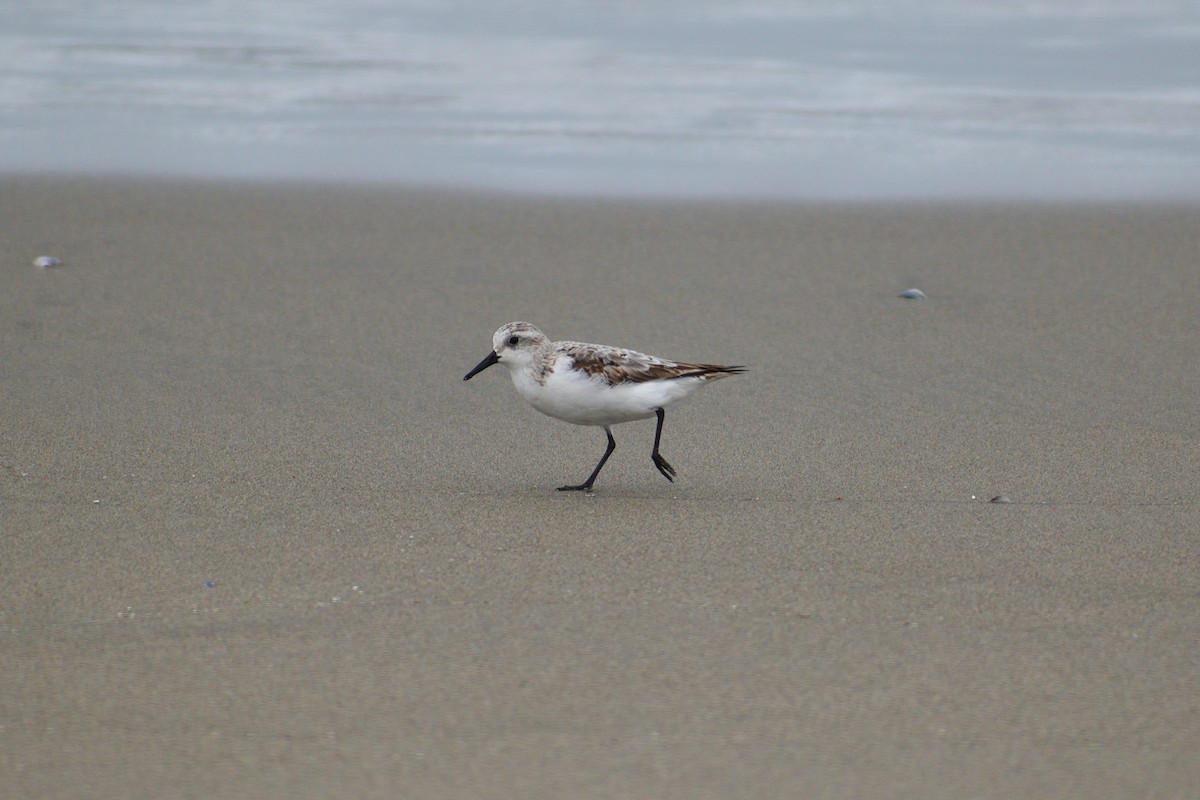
{"x": 592, "y": 384}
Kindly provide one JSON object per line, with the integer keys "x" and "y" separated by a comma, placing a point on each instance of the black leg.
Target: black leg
{"x": 663, "y": 466}
{"x": 586, "y": 486}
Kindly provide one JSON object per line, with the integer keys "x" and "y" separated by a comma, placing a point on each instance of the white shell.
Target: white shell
{"x": 46, "y": 262}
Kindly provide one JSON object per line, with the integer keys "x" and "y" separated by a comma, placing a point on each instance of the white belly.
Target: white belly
{"x": 577, "y": 398}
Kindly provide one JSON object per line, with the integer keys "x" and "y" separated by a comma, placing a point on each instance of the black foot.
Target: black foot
{"x": 664, "y": 467}
{"x": 586, "y": 486}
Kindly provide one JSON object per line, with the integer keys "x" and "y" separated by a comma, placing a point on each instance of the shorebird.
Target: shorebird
{"x": 593, "y": 384}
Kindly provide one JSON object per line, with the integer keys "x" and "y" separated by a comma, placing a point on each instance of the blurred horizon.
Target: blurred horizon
{"x": 820, "y": 100}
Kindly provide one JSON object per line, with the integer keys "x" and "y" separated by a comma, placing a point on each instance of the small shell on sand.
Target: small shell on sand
{"x": 913, "y": 294}
{"x": 46, "y": 262}
{"x": 1001, "y": 498}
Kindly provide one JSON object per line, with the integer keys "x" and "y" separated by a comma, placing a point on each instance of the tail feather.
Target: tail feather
{"x": 709, "y": 371}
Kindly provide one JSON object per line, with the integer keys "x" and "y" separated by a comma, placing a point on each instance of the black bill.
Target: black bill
{"x": 492, "y": 358}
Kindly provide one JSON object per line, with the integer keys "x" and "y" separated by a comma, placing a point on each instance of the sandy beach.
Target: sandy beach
{"x": 260, "y": 540}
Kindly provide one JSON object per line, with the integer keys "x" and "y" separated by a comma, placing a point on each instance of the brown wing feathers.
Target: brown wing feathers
{"x": 628, "y": 366}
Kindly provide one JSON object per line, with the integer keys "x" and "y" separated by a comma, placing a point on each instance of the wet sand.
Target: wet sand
{"x": 260, "y": 540}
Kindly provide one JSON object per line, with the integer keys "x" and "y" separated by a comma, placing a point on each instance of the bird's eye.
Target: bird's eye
{"x": 512, "y": 341}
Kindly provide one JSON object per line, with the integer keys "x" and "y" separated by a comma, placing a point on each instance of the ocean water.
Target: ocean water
{"x": 854, "y": 99}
